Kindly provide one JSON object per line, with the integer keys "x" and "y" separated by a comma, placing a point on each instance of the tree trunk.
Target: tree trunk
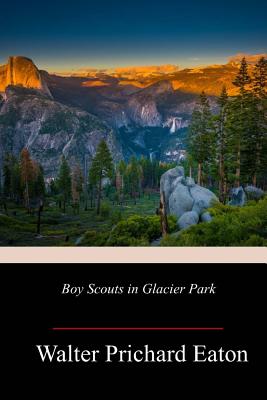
{"x": 199, "y": 173}
{"x": 99, "y": 196}
{"x": 163, "y": 215}
{"x": 27, "y": 196}
{"x": 237, "y": 174}
{"x": 5, "y": 208}
{"x": 224, "y": 191}
{"x": 254, "y": 180}
{"x": 40, "y": 209}
{"x": 221, "y": 178}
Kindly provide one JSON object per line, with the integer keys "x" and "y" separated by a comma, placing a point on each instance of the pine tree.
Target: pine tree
{"x": 102, "y": 167}
{"x": 76, "y": 185}
{"x": 259, "y": 86}
{"x": 39, "y": 182}
{"x": 259, "y": 81}
{"x": 27, "y": 175}
{"x": 201, "y": 134}
{"x": 134, "y": 174}
{"x": 64, "y": 181}
{"x": 241, "y": 81}
{"x": 221, "y": 141}
{"x": 7, "y": 172}
{"x": 120, "y": 177}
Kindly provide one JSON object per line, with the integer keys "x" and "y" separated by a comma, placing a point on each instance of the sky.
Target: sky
{"x": 64, "y": 35}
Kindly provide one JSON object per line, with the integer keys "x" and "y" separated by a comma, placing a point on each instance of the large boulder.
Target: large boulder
{"x": 169, "y": 180}
{"x": 238, "y": 197}
{"x": 184, "y": 198}
{"x": 253, "y": 192}
{"x": 188, "y": 219}
{"x": 180, "y": 200}
{"x": 206, "y": 217}
{"x": 203, "y": 198}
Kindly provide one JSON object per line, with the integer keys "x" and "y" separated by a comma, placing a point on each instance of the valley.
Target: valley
{"x": 142, "y": 110}
{"x": 139, "y": 156}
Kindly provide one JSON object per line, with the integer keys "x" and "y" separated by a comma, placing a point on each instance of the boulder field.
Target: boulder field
{"x": 185, "y": 199}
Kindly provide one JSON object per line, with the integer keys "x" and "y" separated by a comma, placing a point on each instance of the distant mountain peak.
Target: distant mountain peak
{"x": 21, "y": 71}
{"x": 250, "y": 58}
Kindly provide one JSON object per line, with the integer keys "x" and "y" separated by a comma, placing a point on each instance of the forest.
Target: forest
{"x": 117, "y": 204}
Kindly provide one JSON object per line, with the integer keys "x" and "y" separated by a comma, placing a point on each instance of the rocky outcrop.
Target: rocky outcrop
{"x": 254, "y": 193}
{"x": 49, "y": 129}
{"x": 185, "y": 199}
{"x": 144, "y": 113}
{"x": 238, "y": 197}
{"x": 187, "y": 219}
{"x": 21, "y": 71}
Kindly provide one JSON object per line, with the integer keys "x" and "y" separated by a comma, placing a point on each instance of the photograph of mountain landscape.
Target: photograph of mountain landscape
{"x": 133, "y": 124}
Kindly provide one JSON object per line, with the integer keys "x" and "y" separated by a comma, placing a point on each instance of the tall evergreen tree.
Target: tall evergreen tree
{"x": 221, "y": 142}
{"x": 134, "y": 175}
{"x": 259, "y": 81}
{"x": 11, "y": 178}
{"x": 201, "y": 134}
{"x": 102, "y": 167}
{"x": 240, "y": 109}
{"x": 259, "y": 89}
{"x": 7, "y": 173}
{"x": 39, "y": 182}
{"x": 27, "y": 175}
{"x": 64, "y": 181}
{"x": 76, "y": 185}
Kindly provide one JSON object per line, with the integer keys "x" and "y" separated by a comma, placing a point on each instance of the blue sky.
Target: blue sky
{"x": 61, "y": 35}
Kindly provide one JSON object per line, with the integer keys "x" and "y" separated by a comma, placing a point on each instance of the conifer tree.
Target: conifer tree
{"x": 259, "y": 81}
{"x": 64, "y": 181}
{"x": 134, "y": 174}
{"x": 27, "y": 175}
{"x": 240, "y": 110}
{"x": 221, "y": 142}
{"x": 39, "y": 183}
{"x": 76, "y": 185}
{"x": 102, "y": 167}
{"x": 259, "y": 89}
{"x": 201, "y": 134}
{"x": 7, "y": 172}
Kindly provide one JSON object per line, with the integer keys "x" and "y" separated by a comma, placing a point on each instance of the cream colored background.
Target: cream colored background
{"x": 133, "y": 254}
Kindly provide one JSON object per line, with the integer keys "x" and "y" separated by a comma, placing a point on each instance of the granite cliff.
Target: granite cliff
{"x": 21, "y": 71}
{"x": 29, "y": 118}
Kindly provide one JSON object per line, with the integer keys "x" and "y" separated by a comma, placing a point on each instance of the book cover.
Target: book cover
{"x": 133, "y": 172}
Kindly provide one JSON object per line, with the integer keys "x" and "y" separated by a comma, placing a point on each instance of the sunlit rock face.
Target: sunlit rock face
{"x": 21, "y": 71}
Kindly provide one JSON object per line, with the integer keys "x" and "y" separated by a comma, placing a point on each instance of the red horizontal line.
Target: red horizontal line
{"x": 139, "y": 329}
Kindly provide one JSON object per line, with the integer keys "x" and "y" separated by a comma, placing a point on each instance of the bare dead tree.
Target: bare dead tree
{"x": 163, "y": 215}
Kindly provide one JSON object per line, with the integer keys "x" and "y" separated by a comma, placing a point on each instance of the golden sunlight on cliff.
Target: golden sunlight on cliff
{"x": 21, "y": 71}
{"x": 95, "y": 84}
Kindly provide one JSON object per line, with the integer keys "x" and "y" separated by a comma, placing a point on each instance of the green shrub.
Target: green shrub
{"x": 172, "y": 222}
{"x": 231, "y": 226}
{"x": 135, "y": 231}
{"x": 116, "y": 217}
{"x": 105, "y": 210}
{"x": 16, "y": 225}
{"x": 93, "y": 238}
{"x": 255, "y": 240}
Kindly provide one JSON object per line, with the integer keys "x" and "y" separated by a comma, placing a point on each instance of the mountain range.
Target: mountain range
{"x": 137, "y": 110}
